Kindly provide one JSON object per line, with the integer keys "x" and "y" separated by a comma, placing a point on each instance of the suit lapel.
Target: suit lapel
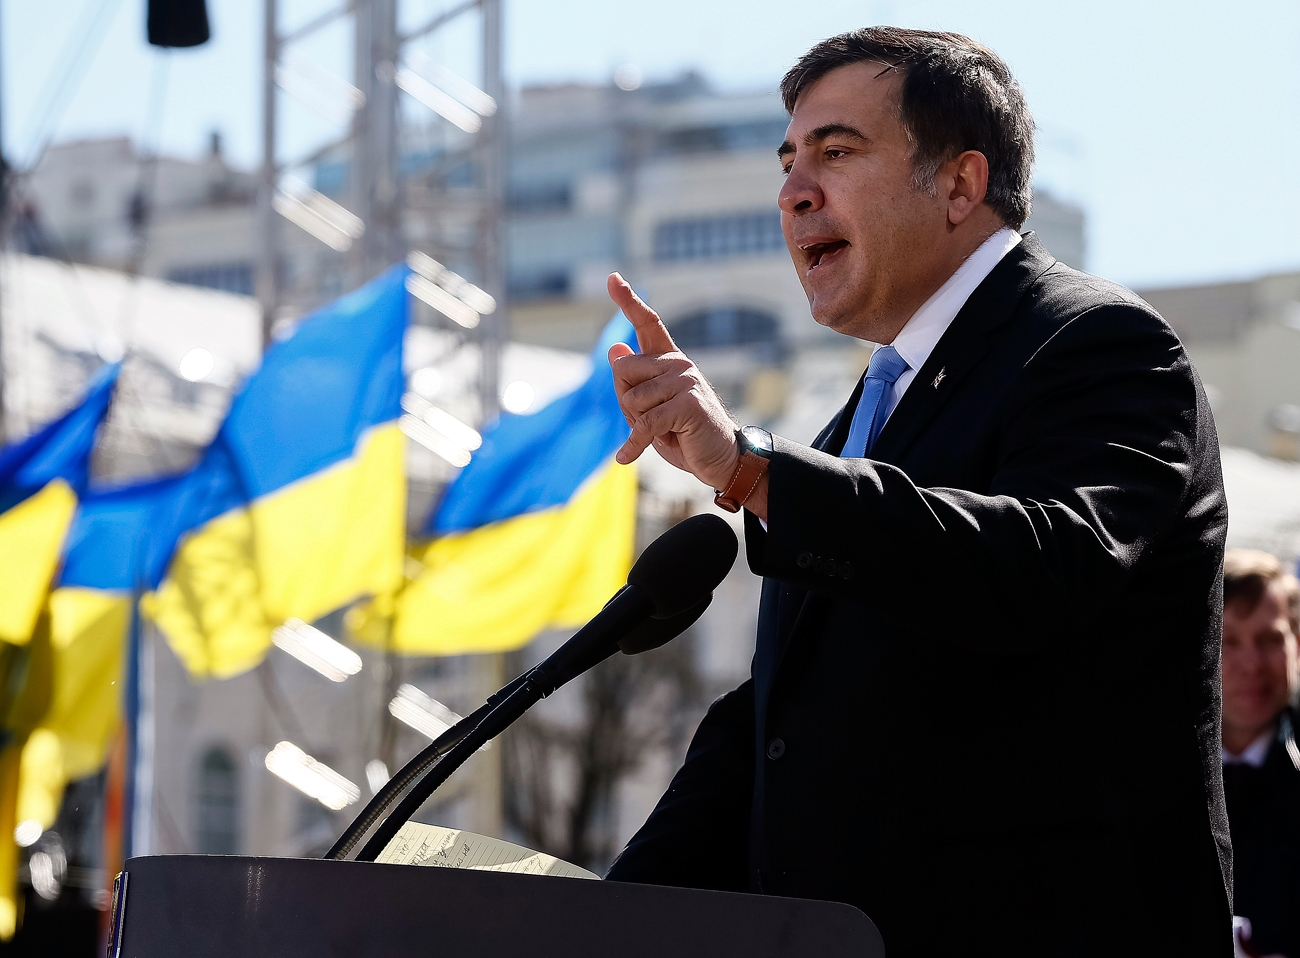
{"x": 961, "y": 347}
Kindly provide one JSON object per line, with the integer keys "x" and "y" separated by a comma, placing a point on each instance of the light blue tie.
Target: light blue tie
{"x": 885, "y": 367}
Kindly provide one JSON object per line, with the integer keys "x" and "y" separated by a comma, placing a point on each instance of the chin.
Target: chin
{"x": 832, "y": 315}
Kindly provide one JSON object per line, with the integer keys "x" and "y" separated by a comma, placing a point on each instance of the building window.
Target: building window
{"x": 544, "y": 285}
{"x": 693, "y": 139}
{"x": 712, "y": 237}
{"x": 753, "y": 135}
{"x": 540, "y": 198}
{"x": 230, "y": 277}
{"x": 725, "y": 326}
{"x": 217, "y": 804}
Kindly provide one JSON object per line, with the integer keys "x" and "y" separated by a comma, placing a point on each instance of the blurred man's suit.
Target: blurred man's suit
{"x": 984, "y": 704}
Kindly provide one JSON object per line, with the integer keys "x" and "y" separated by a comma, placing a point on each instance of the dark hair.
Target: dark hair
{"x": 1248, "y": 572}
{"x": 956, "y": 95}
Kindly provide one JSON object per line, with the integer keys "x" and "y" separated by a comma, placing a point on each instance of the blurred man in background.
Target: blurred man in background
{"x": 1261, "y": 761}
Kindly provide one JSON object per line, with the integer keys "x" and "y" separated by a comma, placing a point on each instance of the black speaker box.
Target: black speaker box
{"x": 178, "y": 23}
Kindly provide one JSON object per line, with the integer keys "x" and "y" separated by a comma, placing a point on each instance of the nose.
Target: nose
{"x": 800, "y": 193}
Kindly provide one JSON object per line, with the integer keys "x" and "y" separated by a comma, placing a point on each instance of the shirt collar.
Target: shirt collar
{"x": 1256, "y": 752}
{"x": 917, "y": 339}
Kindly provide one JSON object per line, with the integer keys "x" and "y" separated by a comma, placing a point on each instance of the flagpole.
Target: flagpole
{"x": 119, "y": 784}
{"x": 130, "y": 720}
{"x": 143, "y": 766}
{"x": 137, "y": 798}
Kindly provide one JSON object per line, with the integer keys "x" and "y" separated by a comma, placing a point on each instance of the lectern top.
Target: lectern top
{"x": 217, "y": 906}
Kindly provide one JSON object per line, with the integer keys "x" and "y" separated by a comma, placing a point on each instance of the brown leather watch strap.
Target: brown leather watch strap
{"x": 744, "y": 481}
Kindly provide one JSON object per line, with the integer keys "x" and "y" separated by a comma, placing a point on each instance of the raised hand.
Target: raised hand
{"x": 666, "y": 400}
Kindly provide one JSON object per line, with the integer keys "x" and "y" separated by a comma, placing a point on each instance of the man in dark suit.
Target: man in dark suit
{"x": 1261, "y": 760}
{"x": 984, "y": 705}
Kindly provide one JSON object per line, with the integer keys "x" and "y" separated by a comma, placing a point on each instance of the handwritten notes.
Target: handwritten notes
{"x": 417, "y": 844}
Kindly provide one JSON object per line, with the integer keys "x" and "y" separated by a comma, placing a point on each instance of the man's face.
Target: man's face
{"x": 1259, "y": 662}
{"x": 867, "y": 245}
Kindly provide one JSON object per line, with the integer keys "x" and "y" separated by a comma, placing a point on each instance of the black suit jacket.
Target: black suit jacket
{"x": 984, "y": 704}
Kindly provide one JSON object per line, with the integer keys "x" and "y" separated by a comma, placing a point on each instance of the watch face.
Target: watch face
{"x": 758, "y": 439}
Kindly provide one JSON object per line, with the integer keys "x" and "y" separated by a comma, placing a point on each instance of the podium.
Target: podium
{"x": 209, "y": 906}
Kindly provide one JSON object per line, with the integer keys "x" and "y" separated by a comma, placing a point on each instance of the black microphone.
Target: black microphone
{"x": 675, "y": 573}
{"x": 671, "y": 584}
{"x": 653, "y": 632}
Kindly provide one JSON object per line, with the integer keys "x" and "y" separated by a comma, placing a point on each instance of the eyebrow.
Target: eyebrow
{"x": 823, "y": 132}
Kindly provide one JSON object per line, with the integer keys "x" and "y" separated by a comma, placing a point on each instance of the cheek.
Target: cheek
{"x": 787, "y": 226}
{"x": 1231, "y": 667}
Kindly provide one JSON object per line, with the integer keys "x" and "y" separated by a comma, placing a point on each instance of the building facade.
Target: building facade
{"x": 1244, "y": 338}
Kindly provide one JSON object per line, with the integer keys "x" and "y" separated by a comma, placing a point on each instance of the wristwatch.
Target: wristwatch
{"x": 755, "y": 450}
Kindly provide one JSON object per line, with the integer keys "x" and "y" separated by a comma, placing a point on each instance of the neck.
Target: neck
{"x": 1238, "y": 738}
{"x": 892, "y": 320}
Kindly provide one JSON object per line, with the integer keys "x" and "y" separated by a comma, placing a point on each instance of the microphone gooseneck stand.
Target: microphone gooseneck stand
{"x": 664, "y": 596}
{"x": 648, "y": 635}
{"x": 622, "y": 614}
{"x": 412, "y": 770}
{"x": 497, "y": 720}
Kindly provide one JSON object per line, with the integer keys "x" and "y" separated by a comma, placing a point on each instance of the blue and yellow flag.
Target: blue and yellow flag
{"x": 299, "y": 505}
{"x": 81, "y": 644}
{"x": 40, "y": 480}
{"x": 536, "y": 532}
{"x": 104, "y": 569}
{"x": 71, "y": 701}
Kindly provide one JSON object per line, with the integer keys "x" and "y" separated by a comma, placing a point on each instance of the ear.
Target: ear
{"x": 967, "y": 180}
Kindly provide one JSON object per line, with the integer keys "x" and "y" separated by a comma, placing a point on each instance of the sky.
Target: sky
{"x": 1175, "y": 125}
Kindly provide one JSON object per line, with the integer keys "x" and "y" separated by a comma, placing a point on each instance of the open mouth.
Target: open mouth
{"x": 822, "y": 253}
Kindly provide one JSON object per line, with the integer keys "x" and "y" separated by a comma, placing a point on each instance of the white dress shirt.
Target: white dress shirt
{"x": 917, "y": 339}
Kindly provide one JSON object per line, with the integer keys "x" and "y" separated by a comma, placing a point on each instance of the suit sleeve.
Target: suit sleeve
{"x": 1097, "y": 443}
{"x": 698, "y": 834}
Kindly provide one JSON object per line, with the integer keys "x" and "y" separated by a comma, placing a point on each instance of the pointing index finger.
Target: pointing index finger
{"x": 651, "y": 333}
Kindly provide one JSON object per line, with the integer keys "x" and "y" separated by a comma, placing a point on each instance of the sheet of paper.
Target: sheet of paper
{"x": 417, "y": 844}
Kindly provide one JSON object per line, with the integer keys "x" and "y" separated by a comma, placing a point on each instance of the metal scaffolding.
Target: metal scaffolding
{"x": 382, "y": 215}
{"x": 374, "y": 229}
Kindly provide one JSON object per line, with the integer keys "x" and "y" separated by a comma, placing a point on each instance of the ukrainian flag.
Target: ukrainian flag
{"x": 71, "y": 701}
{"x": 40, "y": 480}
{"x": 299, "y": 505}
{"x": 536, "y": 532}
{"x": 112, "y": 547}
{"x": 105, "y": 568}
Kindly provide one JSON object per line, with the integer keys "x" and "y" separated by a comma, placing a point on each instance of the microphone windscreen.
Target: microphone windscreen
{"x": 653, "y": 632}
{"x": 685, "y": 564}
